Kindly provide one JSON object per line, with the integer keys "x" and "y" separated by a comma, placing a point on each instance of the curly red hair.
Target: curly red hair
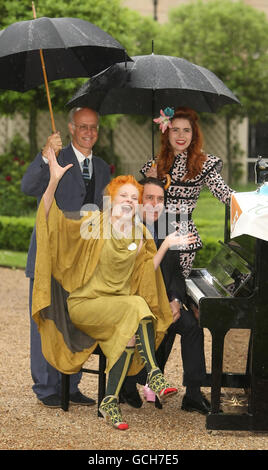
{"x": 196, "y": 156}
{"x": 113, "y": 187}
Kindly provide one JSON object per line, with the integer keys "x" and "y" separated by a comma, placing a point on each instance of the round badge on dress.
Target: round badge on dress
{"x": 132, "y": 246}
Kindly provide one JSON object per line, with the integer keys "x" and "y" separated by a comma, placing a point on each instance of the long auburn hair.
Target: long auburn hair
{"x": 195, "y": 155}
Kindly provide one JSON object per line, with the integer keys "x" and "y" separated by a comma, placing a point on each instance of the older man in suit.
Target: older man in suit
{"x": 82, "y": 184}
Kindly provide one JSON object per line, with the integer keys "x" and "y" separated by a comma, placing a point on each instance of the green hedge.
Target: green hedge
{"x": 15, "y": 232}
{"x": 13, "y": 164}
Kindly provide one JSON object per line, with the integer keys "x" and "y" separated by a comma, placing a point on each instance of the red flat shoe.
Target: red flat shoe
{"x": 166, "y": 392}
{"x": 121, "y": 426}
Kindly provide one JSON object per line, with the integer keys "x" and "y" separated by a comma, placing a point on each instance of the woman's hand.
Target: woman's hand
{"x": 175, "y": 239}
{"x": 56, "y": 171}
{"x": 152, "y": 172}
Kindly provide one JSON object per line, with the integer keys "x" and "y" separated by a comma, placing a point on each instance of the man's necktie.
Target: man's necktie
{"x": 87, "y": 170}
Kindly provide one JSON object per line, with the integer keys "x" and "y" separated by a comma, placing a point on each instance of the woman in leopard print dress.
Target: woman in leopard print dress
{"x": 182, "y": 163}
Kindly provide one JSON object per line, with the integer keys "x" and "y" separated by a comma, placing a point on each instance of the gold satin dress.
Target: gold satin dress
{"x": 103, "y": 308}
{"x": 111, "y": 288}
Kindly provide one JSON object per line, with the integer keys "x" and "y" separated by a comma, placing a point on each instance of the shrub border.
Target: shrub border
{"x": 15, "y": 232}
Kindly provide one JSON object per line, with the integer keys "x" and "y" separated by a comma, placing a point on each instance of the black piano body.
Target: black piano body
{"x": 232, "y": 292}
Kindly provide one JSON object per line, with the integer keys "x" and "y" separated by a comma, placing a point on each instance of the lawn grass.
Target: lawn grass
{"x": 13, "y": 259}
{"x": 209, "y": 215}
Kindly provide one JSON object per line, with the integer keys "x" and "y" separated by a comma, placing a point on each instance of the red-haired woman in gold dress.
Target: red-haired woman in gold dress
{"x": 110, "y": 268}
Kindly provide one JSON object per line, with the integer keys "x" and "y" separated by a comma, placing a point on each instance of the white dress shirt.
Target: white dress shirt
{"x": 79, "y": 155}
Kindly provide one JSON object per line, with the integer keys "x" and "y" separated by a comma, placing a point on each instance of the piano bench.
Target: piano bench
{"x": 65, "y": 382}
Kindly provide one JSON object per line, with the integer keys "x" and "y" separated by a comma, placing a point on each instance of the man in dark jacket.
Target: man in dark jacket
{"x": 185, "y": 322}
{"x": 82, "y": 184}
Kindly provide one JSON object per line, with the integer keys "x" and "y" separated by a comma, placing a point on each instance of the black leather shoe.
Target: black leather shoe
{"x": 202, "y": 406}
{"x": 52, "y": 401}
{"x": 131, "y": 397}
{"x": 78, "y": 398}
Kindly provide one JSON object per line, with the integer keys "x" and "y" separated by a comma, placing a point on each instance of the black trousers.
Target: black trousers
{"x": 192, "y": 351}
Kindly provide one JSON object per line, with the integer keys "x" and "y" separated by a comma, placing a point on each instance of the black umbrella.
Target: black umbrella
{"x": 70, "y": 47}
{"x": 150, "y": 83}
{"x": 164, "y": 80}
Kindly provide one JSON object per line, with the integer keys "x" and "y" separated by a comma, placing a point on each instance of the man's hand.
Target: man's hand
{"x": 53, "y": 142}
{"x": 175, "y": 308}
{"x": 195, "y": 309}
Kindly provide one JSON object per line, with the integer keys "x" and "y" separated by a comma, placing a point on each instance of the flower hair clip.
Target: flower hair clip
{"x": 164, "y": 119}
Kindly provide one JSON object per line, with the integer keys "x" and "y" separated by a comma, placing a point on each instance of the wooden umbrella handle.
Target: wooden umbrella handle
{"x": 48, "y": 94}
{"x": 168, "y": 181}
{"x": 45, "y": 80}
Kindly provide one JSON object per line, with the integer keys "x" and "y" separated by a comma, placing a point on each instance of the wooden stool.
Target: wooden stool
{"x": 65, "y": 381}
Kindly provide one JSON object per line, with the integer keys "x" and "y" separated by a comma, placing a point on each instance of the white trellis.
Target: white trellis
{"x": 132, "y": 141}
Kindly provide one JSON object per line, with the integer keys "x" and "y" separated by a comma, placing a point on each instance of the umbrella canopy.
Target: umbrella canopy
{"x": 153, "y": 82}
{"x": 71, "y": 48}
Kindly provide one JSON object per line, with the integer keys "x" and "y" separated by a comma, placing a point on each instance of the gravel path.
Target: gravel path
{"x": 27, "y": 425}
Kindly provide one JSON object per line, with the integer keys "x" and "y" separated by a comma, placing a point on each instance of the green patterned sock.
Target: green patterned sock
{"x": 145, "y": 343}
{"x": 118, "y": 372}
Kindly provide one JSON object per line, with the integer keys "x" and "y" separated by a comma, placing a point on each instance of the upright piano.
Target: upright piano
{"x": 232, "y": 292}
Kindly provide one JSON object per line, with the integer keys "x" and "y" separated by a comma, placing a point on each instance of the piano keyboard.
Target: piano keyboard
{"x": 200, "y": 288}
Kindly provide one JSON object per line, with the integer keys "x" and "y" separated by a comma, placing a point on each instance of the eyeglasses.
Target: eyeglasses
{"x": 85, "y": 127}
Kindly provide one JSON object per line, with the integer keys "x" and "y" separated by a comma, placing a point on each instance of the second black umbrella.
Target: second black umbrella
{"x": 153, "y": 82}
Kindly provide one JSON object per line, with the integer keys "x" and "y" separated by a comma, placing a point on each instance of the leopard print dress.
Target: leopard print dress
{"x": 181, "y": 198}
